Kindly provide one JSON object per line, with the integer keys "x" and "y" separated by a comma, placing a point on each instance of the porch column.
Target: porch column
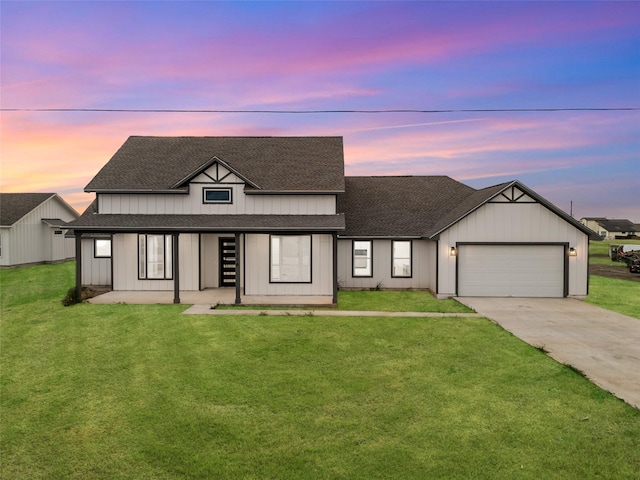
{"x": 238, "y": 299}
{"x": 176, "y": 268}
{"x": 78, "y": 236}
{"x": 335, "y": 268}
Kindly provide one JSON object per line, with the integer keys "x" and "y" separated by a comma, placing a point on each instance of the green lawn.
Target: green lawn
{"x": 618, "y": 295}
{"x": 381, "y": 301}
{"x": 133, "y": 392}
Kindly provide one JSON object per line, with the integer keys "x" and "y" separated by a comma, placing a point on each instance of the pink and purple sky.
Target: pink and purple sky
{"x": 334, "y": 56}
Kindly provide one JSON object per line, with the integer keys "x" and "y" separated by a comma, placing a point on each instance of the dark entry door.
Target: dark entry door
{"x": 227, "y": 262}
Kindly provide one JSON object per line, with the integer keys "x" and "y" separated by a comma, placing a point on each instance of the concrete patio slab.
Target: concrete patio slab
{"x": 210, "y": 297}
{"x": 602, "y": 344}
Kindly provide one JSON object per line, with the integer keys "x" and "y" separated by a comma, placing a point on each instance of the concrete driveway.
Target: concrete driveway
{"x": 604, "y": 345}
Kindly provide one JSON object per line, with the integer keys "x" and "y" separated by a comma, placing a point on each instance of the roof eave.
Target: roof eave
{"x": 592, "y": 235}
{"x": 179, "y": 191}
{"x": 146, "y": 229}
{"x": 292, "y": 192}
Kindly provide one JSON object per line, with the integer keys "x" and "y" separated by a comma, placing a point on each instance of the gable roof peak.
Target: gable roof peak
{"x": 163, "y": 164}
{"x": 14, "y": 206}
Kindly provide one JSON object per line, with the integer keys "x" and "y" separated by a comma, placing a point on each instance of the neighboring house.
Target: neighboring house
{"x": 276, "y": 216}
{"x": 611, "y": 228}
{"x": 32, "y": 229}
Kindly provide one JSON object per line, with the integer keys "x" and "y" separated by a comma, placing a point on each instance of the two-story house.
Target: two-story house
{"x": 275, "y": 216}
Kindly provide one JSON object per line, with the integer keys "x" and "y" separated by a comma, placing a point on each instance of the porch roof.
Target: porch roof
{"x": 207, "y": 223}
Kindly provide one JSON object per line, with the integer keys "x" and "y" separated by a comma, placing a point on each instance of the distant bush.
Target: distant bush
{"x": 71, "y": 298}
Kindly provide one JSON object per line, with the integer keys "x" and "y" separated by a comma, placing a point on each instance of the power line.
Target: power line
{"x": 307, "y": 112}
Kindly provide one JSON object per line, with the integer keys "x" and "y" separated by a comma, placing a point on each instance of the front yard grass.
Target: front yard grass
{"x": 622, "y": 296}
{"x": 128, "y": 392}
{"x": 379, "y": 301}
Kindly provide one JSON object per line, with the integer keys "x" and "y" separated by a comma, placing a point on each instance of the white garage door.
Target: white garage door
{"x": 511, "y": 271}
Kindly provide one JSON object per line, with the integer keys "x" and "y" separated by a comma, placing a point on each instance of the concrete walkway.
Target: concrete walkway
{"x": 602, "y": 344}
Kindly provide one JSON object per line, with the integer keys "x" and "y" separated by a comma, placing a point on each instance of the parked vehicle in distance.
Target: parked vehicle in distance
{"x": 617, "y": 253}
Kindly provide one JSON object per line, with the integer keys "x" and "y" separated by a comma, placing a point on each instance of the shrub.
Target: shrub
{"x": 71, "y": 298}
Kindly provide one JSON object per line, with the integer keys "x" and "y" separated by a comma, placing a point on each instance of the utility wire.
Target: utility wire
{"x": 463, "y": 110}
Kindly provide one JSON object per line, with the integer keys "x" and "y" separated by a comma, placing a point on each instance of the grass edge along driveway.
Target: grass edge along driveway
{"x": 125, "y": 391}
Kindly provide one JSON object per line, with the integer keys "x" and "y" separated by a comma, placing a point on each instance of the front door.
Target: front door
{"x": 227, "y": 262}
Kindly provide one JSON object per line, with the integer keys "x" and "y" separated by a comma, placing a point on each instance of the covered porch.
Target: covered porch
{"x": 210, "y": 296}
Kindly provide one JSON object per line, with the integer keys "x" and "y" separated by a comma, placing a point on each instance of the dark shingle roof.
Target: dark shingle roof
{"x": 476, "y": 199}
{"x": 398, "y": 206}
{"x": 419, "y": 206}
{"x": 270, "y": 163}
{"x": 90, "y": 221}
{"x": 14, "y": 206}
{"x": 617, "y": 225}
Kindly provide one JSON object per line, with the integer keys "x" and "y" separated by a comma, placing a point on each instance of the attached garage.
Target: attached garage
{"x": 512, "y": 270}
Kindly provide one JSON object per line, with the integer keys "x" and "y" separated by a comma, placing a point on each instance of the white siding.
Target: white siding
{"x": 423, "y": 267}
{"x": 95, "y": 271}
{"x": 209, "y": 257}
{"x": 256, "y": 271}
{"x": 125, "y": 264}
{"x": 513, "y": 222}
{"x": 242, "y": 204}
{"x": 192, "y": 202}
{"x": 5, "y": 246}
{"x": 31, "y": 241}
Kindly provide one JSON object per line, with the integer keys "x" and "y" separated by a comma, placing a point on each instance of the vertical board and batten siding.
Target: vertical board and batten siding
{"x": 29, "y": 240}
{"x": 423, "y": 266}
{"x": 513, "y": 223}
{"x": 125, "y": 264}
{"x": 192, "y": 202}
{"x": 210, "y": 259}
{"x": 256, "y": 268}
{"x": 5, "y": 247}
{"x": 95, "y": 271}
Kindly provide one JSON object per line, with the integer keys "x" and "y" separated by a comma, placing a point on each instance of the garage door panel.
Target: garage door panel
{"x": 511, "y": 270}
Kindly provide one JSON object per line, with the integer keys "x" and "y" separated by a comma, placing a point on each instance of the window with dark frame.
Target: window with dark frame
{"x": 102, "y": 247}
{"x": 401, "y": 253}
{"x": 362, "y": 258}
{"x": 290, "y": 259}
{"x": 217, "y": 195}
{"x": 155, "y": 260}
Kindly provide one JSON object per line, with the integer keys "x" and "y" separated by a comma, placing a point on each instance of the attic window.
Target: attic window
{"x": 216, "y": 195}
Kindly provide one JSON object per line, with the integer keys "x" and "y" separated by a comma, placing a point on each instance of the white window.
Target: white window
{"x": 155, "y": 260}
{"x": 362, "y": 258}
{"x": 217, "y": 195}
{"x": 401, "y": 258}
{"x": 290, "y": 259}
{"x": 102, "y": 248}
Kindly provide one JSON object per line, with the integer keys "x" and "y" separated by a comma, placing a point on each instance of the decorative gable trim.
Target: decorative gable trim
{"x": 214, "y": 161}
{"x": 512, "y": 194}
